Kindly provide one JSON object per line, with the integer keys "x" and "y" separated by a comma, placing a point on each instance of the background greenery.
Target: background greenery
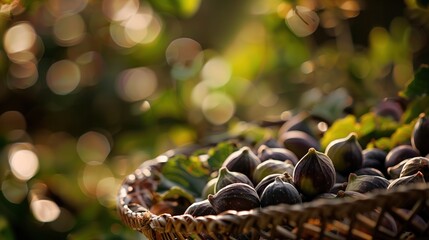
{"x": 91, "y": 89}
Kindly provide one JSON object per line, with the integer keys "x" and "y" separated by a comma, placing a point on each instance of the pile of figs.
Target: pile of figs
{"x": 293, "y": 169}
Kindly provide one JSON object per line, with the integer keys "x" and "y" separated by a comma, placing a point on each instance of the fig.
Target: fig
{"x": 346, "y": 154}
{"x": 369, "y": 171}
{"x": 264, "y": 153}
{"x": 201, "y": 208}
{"x": 389, "y": 108}
{"x": 242, "y": 160}
{"x": 414, "y": 165}
{"x": 415, "y": 178}
{"x": 314, "y": 174}
{"x": 374, "y": 158}
{"x": 399, "y": 153}
{"x": 395, "y": 171}
{"x": 298, "y": 142}
{"x": 227, "y": 177}
{"x": 300, "y": 122}
{"x": 337, "y": 187}
{"x": 271, "y": 166}
{"x": 236, "y": 196}
{"x": 209, "y": 188}
{"x": 286, "y": 177}
{"x": 350, "y": 194}
{"x": 325, "y": 196}
{"x": 280, "y": 192}
{"x": 420, "y": 135}
{"x": 366, "y": 183}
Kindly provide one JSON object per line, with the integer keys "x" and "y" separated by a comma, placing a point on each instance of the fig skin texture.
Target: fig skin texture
{"x": 298, "y": 142}
{"x": 279, "y": 192}
{"x": 271, "y": 166}
{"x": 346, "y": 154}
{"x": 227, "y": 177}
{"x": 243, "y": 160}
{"x": 201, "y": 208}
{"x": 415, "y": 178}
{"x": 366, "y": 183}
{"x": 236, "y": 196}
{"x": 314, "y": 174}
{"x": 374, "y": 158}
{"x": 264, "y": 153}
{"x": 400, "y": 153}
{"x": 414, "y": 165}
{"x": 420, "y": 135}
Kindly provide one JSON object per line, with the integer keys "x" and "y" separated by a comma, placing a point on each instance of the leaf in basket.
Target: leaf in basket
{"x": 174, "y": 201}
{"x": 218, "y": 154}
{"x": 188, "y": 173}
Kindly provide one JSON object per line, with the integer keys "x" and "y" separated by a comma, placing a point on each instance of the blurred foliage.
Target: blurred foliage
{"x": 91, "y": 89}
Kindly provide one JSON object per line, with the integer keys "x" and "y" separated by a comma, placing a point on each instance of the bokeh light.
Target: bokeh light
{"x": 45, "y": 210}
{"x": 69, "y": 30}
{"x": 218, "y": 108}
{"x": 90, "y": 177}
{"x": 23, "y": 162}
{"x": 23, "y": 75}
{"x": 93, "y": 147}
{"x": 63, "y": 77}
{"x": 106, "y": 191}
{"x": 216, "y": 72}
{"x": 18, "y": 41}
{"x": 14, "y": 191}
{"x": 12, "y": 120}
{"x": 182, "y": 51}
{"x": 136, "y": 84}
{"x": 302, "y": 21}
{"x": 62, "y": 7}
{"x": 119, "y": 10}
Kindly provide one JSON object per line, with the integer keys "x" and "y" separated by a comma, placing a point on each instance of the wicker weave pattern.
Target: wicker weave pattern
{"x": 321, "y": 219}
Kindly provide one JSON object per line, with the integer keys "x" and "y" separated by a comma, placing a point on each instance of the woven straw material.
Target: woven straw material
{"x": 395, "y": 214}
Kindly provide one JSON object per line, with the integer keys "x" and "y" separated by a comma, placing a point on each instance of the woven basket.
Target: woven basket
{"x": 368, "y": 218}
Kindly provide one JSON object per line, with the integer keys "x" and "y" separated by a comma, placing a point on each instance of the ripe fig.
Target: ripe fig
{"x": 314, "y": 174}
{"x": 337, "y": 187}
{"x": 201, "y": 208}
{"x": 399, "y": 153}
{"x": 374, "y": 158}
{"x": 389, "y": 108}
{"x": 227, "y": 177}
{"x": 280, "y": 192}
{"x": 395, "y": 171}
{"x": 298, "y": 142}
{"x": 286, "y": 177}
{"x": 420, "y": 135}
{"x": 236, "y": 196}
{"x": 415, "y": 178}
{"x": 264, "y": 153}
{"x": 369, "y": 171}
{"x": 243, "y": 160}
{"x": 271, "y": 166}
{"x": 414, "y": 165}
{"x": 366, "y": 183}
{"x": 346, "y": 154}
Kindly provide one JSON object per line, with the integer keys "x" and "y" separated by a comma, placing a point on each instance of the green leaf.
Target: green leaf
{"x": 188, "y": 173}
{"x": 331, "y": 107}
{"x": 339, "y": 129}
{"x": 419, "y": 86}
{"x": 219, "y": 153}
{"x": 177, "y": 192}
{"x": 415, "y": 107}
{"x": 403, "y": 134}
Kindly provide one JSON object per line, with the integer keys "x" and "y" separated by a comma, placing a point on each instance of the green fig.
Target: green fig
{"x": 366, "y": 183}
{"x": 314, "y": 174}
{"x": 209, "y": 188}
{"x": 346, "y": 154}
{"x": 271, "y": 166}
